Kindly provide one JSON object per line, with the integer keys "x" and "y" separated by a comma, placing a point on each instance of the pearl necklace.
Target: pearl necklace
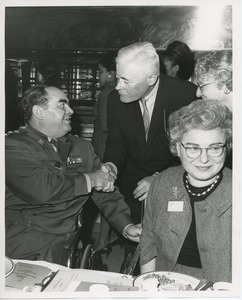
{"x": 205, "y": 192}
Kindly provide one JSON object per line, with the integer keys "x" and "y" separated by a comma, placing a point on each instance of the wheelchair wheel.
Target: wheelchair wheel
{"x": 91, "y": 259}
{"x": 130, "y": 262}
{"x": 75, "y": 255}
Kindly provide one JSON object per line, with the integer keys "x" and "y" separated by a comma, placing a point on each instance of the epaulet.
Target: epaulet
{"x": 20, "y": 130}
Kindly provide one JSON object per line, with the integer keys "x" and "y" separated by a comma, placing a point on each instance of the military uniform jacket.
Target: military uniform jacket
{"x": 47, "y": 190}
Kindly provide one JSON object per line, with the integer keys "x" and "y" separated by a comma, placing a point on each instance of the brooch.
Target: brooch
{"x": 177, "y": 194}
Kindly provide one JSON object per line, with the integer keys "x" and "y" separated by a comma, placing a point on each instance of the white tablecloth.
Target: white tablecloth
{"x": 69, "y": 279}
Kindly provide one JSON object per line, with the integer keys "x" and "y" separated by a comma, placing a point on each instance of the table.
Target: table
{"x": 33, "y": 276}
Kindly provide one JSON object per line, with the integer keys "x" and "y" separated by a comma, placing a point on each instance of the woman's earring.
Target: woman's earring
{"x": 226, "y": 91}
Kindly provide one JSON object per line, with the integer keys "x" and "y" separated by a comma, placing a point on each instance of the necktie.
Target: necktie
{"x": 146, "y": 118}
{"x": 54, "y": 144}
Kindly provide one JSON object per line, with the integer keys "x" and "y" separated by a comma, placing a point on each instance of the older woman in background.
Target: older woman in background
{"x": 187, "y": 226}
{"x": 214, "y": 77}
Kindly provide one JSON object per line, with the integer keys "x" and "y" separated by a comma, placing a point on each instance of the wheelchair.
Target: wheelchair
{"x": 130, "y": 262}
{"x": 81, "y": 254}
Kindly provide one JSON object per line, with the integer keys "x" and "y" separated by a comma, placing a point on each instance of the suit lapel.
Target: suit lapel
{"x": 137, "y": 119}
{"x": 159, "y": 116}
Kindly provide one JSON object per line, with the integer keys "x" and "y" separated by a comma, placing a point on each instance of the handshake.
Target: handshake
{"x": 103, "y": 179}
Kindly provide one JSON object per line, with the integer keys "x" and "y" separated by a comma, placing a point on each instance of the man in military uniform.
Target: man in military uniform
{"x": 50, "y": 174}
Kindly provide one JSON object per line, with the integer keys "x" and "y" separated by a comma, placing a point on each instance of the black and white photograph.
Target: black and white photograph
{"x": 120, "y": 149}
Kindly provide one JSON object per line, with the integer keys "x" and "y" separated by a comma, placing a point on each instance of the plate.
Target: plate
{"x": 161, "y": 281}
{"x": 9, "y": 266}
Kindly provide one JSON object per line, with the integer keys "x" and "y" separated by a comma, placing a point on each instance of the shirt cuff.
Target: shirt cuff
{"x": 114, "y": 167}
{"x": 124, "y": 233}
{"x": 89, "y": 185}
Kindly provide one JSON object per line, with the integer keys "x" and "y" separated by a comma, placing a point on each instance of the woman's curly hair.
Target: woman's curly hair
{"x": 217, "y": 64}
{"x": 200, "y": 114}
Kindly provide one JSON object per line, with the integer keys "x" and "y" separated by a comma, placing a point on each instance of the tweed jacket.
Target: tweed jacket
{"x": 165, "y": 229}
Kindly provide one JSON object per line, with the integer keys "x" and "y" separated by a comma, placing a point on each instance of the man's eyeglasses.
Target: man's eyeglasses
{"x": 205, "y": 84}
{"x": 195, "y": 152}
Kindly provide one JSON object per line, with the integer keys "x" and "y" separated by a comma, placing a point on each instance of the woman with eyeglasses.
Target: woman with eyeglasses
{"x": 187, "y": 226}
{"x": 214, "y": 77}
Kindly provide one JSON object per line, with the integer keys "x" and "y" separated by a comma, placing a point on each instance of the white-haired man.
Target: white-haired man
{"x": 137, "y": 145}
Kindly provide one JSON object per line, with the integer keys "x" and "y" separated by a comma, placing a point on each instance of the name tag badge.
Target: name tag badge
{"x": 175, "y": 206}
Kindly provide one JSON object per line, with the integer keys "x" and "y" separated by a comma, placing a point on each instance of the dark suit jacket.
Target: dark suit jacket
{"x": 100, "y": 132}
{"x": 126, "y": 146}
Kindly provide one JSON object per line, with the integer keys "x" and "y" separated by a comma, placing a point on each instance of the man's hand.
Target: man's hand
{"x": 133, "y": 232}
{"x": 109, "y": 187}
{"x": 108, "y": 168}
{"x": 143, "y": 187}
{"x": 101, "y": 181}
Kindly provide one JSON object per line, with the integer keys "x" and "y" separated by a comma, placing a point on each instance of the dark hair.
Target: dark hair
{"x": 108, "y": 61}
{"x": 200, "y": 114}
{"x": 35, "y": 95}
{"x": 180, "y": 54}
{"x": 50, "y": 71}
